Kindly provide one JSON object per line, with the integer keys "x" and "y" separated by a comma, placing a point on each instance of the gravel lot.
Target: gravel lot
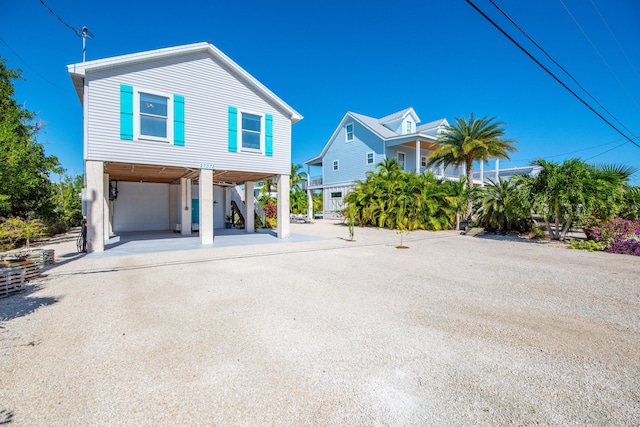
{"x": 455, "y": 330}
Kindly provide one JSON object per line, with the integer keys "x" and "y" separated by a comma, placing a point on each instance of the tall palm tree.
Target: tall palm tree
{"x": 469, "y": 140}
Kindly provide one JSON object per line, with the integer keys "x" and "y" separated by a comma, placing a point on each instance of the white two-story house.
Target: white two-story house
{"x": 360, "y": 143}
{"x": 170, "y": 133}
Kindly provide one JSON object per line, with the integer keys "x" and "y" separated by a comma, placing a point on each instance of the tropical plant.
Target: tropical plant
{"x": 298, "y": 200}
{"x": 15, "y": 230}
{"x": 631, "y": 206}
{"x": 401, "y": 200}
{"x": 470, "y": 140}
{"x": 589, "y": 245}
{"x": 504, "y": 208}
{"x": 297, "y": 175}
{"x": 460, "y": 194}
{"x": 573, "y": 190}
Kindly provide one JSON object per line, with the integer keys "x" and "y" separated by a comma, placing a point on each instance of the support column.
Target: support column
{"x": 95, "y": 205}
{"x": 284, "y": 225}
{"x": 418, "y": 156}
{"x": 206, "y": 206}
{"x": 105, "y": 213}
{"x": 497, "y": 170}
{"x": 249, "y": 208}
{"x": 227, "y": 202}
{"x": 310, "y": 205}
{"x": 185, "y": 207}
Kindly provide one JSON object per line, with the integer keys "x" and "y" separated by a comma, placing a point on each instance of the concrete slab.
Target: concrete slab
{"x": 167, "y": 241}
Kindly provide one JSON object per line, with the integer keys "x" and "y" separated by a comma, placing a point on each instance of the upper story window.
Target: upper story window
{"x": 401, "y": 159}
{"x": 151, "y": 115}
{"x": 336, "y": 165}
{"x": 154, "y": 115}
{"x": 409, "y": 126}
{"x": 370, "y": 158}
{"x": 349, "y": 133}
{"x": 251, "y": 132}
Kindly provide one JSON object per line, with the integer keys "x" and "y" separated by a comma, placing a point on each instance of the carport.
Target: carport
{"x": 139, "y": 198}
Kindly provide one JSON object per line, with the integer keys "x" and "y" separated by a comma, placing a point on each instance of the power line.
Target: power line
{"x": 605, "y": 152}
{"x": 574, "y": 151}
{"x": 561, "y": 67}
{"x": 550, "y": 73}
{"x": 78, "y": 32}
{"x": 616, "y": 39}
{"x": 584, "y": 33}
{"x": 27, "y": 64}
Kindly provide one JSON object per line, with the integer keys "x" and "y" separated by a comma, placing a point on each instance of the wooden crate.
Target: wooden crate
{"x": 11, "y": 281}
{"x": 31, "y": 269}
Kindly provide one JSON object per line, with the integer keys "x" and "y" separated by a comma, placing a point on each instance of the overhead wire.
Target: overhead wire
{"x": 604, "y": 21}
{"x": 485, "y": 16}
{"x": 584, "y": 33}
{"x": 27, "y": 64}
{"x": 561, "y": 67}
{"x": 79, "y": 33}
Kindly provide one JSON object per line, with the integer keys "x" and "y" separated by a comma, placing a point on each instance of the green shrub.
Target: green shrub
{"x": 589, "y": 245}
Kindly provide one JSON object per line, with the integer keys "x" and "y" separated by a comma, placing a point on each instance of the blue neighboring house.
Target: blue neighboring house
{"x": 360, "y": 143}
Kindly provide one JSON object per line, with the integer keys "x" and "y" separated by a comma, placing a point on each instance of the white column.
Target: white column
{"x": 185, "y": 207}
{"x": 206, "y": 206}
{"x": 310, "y": 204}
{"x": 284, "y": 225}
{"x": 417, "y": 156}
{"x": 497, "y": 170}
{"x": 95, "y": 205}
{"x": 249, "y": 208}
{"x": 227, "y": 202}
{"x": 105, "y": 213}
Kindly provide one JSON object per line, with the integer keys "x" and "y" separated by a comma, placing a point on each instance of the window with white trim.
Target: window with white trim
{"x": 401, "y": 159}
{"x": 423, "y": 161}
{"x": 409, "y": 126}
{"x": 153, "y": 115}
{"x": 252, "y": 131}
{"x": 370, "y": 158}
{"x": 336, "y": 165}
{"x": 336, "y": 194}
{"x": 349, "y": 132}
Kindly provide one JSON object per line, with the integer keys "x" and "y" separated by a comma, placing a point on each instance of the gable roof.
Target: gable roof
{"x": 432, "y": 125}
{"x": 399, "y": 115}
{"x": 377, "y": 127}
{"x": 78, "y": 71}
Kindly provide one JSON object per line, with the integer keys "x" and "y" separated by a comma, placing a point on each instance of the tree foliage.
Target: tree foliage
{"x": 24, "y": 167}
{"x": 562, "y": 193}
{"x": 505, "y": 207}
{"x": 391, "y": 198}
{"x": 469, "y": 140}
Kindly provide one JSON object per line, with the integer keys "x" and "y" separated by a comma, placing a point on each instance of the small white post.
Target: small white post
{"x": 284, "y": 226}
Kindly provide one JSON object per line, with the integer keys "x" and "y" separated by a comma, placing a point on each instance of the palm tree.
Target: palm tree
{"x": 468, "y": 141}
{"x": 503, "y": 207}
{"x": 297, "y": 175}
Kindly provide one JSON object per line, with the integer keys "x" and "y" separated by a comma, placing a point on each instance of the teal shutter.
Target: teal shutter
{"x": 178, "y": 120}
{"x": 233, "y": 129}
{"x": 268, "y": 137}
{"x": 126, "y": 112}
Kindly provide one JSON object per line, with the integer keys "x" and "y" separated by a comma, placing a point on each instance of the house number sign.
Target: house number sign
{"x": 206, "y": 165}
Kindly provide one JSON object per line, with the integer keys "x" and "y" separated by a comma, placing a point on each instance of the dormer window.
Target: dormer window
{"x": 409, "y": 126}
{"x": 349, "y": 133}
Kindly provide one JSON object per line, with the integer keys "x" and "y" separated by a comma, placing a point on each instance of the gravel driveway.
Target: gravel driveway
{"x": 455, "y": 330}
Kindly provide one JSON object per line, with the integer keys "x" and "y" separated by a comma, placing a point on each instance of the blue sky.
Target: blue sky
{"x": 370, "y": 57}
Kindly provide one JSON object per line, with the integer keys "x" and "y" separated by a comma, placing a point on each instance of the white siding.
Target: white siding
{"x": 141, "y": 207}
{"x": 208, "y": 90}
